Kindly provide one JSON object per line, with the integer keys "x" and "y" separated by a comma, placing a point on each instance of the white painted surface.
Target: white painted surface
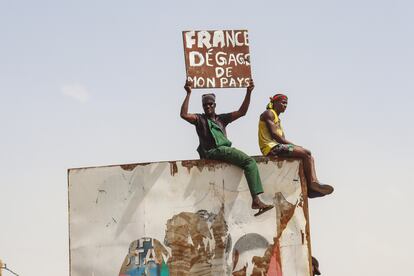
{"x": 110, "y": 207}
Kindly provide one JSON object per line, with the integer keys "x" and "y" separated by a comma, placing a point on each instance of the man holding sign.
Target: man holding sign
{"x": 211, "y": 131}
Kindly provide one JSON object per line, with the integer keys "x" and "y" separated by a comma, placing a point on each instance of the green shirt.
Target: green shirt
{"x": 218, "y": 135}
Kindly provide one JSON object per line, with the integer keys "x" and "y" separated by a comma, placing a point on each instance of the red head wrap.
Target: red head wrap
{"x": 278, "y": 97}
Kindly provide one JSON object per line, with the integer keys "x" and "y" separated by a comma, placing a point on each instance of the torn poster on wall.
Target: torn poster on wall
{"x": 217, "y": 59}
{"x": 187, "y": 218}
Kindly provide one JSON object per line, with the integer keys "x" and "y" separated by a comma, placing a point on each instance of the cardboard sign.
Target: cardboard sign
{"x": 217, "y": 59}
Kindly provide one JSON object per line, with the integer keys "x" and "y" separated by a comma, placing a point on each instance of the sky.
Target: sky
{"x": 93, "y": 83}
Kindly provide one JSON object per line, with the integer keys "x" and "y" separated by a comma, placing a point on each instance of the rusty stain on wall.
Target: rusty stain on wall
{"x": 128, "y": 167}
{"x": 173, "y": 168}
{"x": 131, "y": 167}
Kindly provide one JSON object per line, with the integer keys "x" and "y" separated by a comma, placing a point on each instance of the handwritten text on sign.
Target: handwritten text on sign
{"x": 217, "y": 59}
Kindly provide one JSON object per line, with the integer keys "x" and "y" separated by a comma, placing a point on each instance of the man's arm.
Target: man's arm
{"x": 191, "y": 118}
{"x": 268, "y": 118}
{"x": 245, "y": 104}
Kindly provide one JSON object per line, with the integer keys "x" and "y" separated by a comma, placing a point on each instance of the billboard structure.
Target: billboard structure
{"x": 217, "y": 59}
{"x": 187, "y": 218}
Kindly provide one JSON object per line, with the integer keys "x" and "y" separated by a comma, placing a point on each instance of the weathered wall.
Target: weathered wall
{"x": 187, "y": 218}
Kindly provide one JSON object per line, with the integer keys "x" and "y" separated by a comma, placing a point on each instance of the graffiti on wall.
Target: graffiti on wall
{"x": 186, "y": 218}
{"x": 146, "y": 256}
{"x": 199, "y": 242}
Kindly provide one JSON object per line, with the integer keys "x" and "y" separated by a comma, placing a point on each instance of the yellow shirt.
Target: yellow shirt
{"x": 266, "y": 142}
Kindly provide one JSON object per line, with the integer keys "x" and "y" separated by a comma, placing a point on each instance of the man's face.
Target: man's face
{"x": 209, "y": 107}
{"x": 280, "y": 106}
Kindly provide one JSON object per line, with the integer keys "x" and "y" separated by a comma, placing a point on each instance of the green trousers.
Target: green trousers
{"x": 241, "y": 160}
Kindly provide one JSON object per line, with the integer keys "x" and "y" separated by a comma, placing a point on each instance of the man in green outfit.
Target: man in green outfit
{"x": 211, "y": 131}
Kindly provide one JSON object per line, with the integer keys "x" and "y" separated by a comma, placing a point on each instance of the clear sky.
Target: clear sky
{"x": 87, "y": 83}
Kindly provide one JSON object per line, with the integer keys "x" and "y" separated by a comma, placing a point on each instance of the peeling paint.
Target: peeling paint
{"x": 186, "y": 235}
{"x": 303, "y": 236}
{"x": 199, "y": 164}
{"x": 279, "y": 164}
{"x": 284, "y": 213}
{"x": 213, "y": 164}
{"x": 131, "y": 167}
{"x": 173, "y": 168}
{"x": 142, "y": 253}
{"x": 275, "y": 267}
{"x": 241, "y": 272}
{"x": 250, "y": 243}
{"x": 301, "y": 201}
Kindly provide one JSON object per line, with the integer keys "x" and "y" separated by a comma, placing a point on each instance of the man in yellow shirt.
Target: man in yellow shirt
{"x": 272, "y": 142}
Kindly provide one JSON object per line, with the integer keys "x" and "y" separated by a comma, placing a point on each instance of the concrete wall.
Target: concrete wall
{"x": 187, "y": 218}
